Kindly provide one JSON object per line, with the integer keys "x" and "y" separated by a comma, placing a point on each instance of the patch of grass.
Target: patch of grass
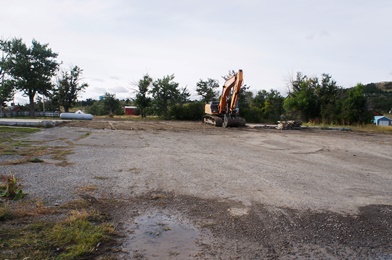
{"x": 7, "y": 151}
{"x": 5, "y": 211}
{"x": 359, "y": 128}
{"x": 135, "y": 170}
{"x": 173, "y": 253}
{"x": 59, "y": 153}
{"x": 25, "y": 208}
{"x": 33, "y": 151}
{"x": 17, "y": 131}
{"x": 36, "y": 160}
{"x": 158, "y": 196}
{"x": 15, "y": 162}
{"x": 101, "y": 178}
{"x": 63, "y": 163}
{"x": 373, "y": 128}
{"x": 75, "y": 236}
{"x": 207, "y": 225}
{"x": 28, "y": 241}
{"x": 76, "y": 204}
{"x": 85, "y": 135}
{"x": 11, "y": 144}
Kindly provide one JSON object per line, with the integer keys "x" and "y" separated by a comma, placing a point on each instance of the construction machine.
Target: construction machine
{"x": 225, "y": 111}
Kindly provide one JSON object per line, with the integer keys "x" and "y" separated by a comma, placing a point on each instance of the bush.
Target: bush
{"x": 252, "y": 114}
{"x": 11, "y": 188}
{"x": 191, "y": 111}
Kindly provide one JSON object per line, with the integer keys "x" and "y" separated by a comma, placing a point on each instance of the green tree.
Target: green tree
{"x": 69, "y": 85}
{"x": 183, "y": 96}
{"x": 377, "y": 98}
{"x": 267, "y": 106}
{"x": 165, "y": 94}
{"x": 30, "y": 69}
{"x": 88, "y": 102}
{"x": 328, "y": 94}
{"x": 302, "y": 101}
{"x": 207, "y": 89}
{"x": 273, "y": 106}
{"x": 6, "y": 88}
{"x": 142, "y": 101}
{"x": 6, "y": 92}
{"x": 354, "y": 108}
{"x": 96, "y": 108}
{"x": 111, "y": 105}
{"x": 259, "y": 99}
{"x": 245, "y": 97}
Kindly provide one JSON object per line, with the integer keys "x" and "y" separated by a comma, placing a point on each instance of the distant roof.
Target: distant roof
{"x": 380, "y": 117}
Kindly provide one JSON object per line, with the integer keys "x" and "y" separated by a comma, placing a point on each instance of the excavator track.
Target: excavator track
{"x": 225, "y": 122}
{"x": 212, "y": 120}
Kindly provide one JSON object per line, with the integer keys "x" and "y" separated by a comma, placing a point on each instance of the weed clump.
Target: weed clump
{"x": 11, "y": 188}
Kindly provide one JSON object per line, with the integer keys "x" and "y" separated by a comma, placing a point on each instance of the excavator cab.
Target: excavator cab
{"x": 212, "y": 108}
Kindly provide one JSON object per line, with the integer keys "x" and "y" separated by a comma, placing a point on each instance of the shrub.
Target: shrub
{"x": 11, "y": 188}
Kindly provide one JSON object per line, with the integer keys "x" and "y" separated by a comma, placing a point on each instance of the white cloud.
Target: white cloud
{"x": 117, "y": 42}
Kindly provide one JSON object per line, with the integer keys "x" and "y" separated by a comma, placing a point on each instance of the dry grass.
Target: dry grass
{"x": 30, "y": 208}
{"x": 158, "y": 196}
{"x": 102, "y": 178}
{"x": 15, "y": 162}
{"x": 76, "y": 204}
{"x": 373, "y": 128}
{"x": 77, "y": 215}
{"x": 88, "y": 188}
{"x": 370, "y": 128}
{"x": 24, "y": 208}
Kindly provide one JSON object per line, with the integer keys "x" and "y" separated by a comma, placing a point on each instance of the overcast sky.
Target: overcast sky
{"x": 116, "y": 42}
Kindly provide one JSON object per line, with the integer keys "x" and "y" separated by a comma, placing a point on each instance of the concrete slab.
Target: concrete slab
{"x": 30, "y": 122}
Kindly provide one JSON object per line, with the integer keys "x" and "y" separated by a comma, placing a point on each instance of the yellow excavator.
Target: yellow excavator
{"x": 224, "y": 112}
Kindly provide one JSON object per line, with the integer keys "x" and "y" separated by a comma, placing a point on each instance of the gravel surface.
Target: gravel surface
{"x": 253, "y": 192}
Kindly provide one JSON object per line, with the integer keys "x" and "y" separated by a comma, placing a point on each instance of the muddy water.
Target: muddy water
{"x": 159, "y": 235}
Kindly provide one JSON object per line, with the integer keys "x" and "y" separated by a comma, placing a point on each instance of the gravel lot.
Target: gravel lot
{"x": 250, "y": 193}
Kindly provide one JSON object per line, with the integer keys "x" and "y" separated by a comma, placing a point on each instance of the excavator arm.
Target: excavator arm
{"x": 233, "y": 83}
{"x": 225, "y": 113}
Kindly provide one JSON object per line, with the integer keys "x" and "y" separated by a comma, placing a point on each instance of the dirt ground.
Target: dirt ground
{"x": 184, "y": 190}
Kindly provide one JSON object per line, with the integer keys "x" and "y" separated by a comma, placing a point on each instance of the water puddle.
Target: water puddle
{"x": 158, "y": 235}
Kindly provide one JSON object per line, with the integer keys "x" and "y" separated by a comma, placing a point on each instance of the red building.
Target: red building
{"x": 130, "y": 110}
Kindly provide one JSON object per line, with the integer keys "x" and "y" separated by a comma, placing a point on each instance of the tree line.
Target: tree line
{"x": 323, "y": 101}
{"x": 34, "y": 70}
